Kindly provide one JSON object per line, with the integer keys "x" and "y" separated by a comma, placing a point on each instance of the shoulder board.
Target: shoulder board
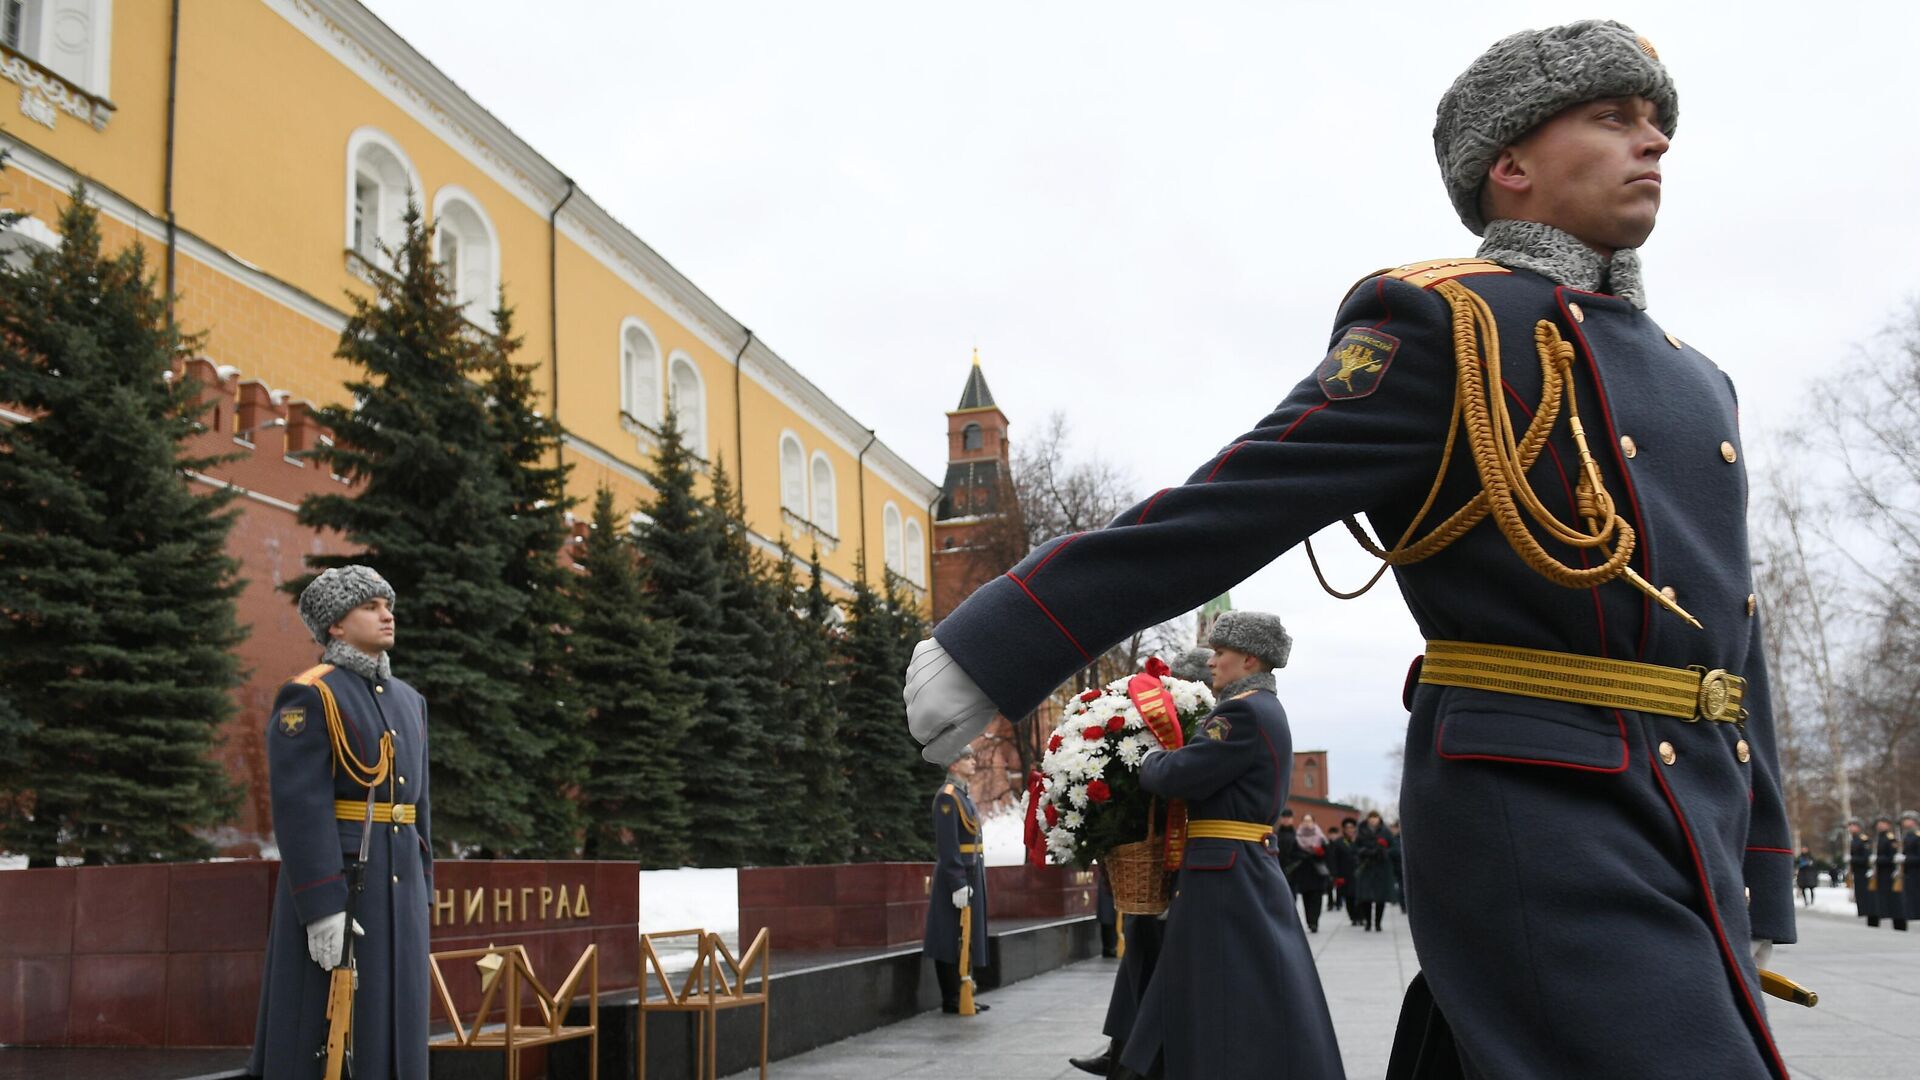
{"x": 1243, "y": 694}
{"x": 1428, "y": 274}
{"x": 313, "y": 674}
{"x": 947, "y": 790}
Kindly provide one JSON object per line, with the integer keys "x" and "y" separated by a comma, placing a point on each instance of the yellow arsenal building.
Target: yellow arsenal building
{"x": 263, "y": 150}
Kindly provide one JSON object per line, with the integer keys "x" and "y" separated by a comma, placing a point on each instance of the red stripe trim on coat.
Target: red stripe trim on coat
{"x": 317, "y": 884}
{"x": 1148, "y": 509}
{"x": 1713, "y": 914}
{"x": 1064, "y": 544}
{"x": 1773, "y": 850}
{"x": 1057, "y": 625}
{"x": 1224, "y": 458}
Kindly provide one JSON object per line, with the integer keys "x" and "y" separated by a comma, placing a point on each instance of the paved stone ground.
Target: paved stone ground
{"x": 1864, "y": 1028}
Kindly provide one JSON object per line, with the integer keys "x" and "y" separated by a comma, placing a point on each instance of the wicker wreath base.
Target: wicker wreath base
{"x": 1137, "y": 874}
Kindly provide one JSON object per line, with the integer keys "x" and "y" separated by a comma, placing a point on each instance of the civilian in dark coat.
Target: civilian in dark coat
{"x": 1860, "y": 869}
{"x": 1399, "y": 868}
{"x": 1373, "y": 858}
{"x": 317, "y": 840}
{"x": 1311, "y": 878}
{"x": 959, "y": 880}
{"x": 1884, "y": 887}
{"x": 1105, "y": 913}
{"x": 1235, "y": 995}
{"x": 1807, "y": 872}
{"x": 1345, "y": 869}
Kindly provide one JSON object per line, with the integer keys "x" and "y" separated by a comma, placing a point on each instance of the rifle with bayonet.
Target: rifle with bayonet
{"x": 338, "y": 1050}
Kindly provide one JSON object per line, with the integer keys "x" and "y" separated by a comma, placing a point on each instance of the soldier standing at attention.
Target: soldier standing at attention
{"x": 1557, "y": 481}
{"x": 342, "y": 733}
{"x": 959, "y": 883}
{"x": 1233, "y": 934}
{"x": 1885, "y": 902}
{"x": 1909, "y": 834}
{"x": 1859, "y": 867}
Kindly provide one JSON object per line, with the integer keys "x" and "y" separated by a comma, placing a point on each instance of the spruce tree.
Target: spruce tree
{"x": 433, "y": 516}
{"x": 683, "y": 545}
{"x": 639, "y": 708}
{"x": 527, "y": 442}
{"x": 787, "y": 817}
{"x": 752, "y": 615}
{"x": 909, "y": 629}
{"x": 892, "y": 783}
{"x": 815, "y": 709}
{"x": 117, "y": 623}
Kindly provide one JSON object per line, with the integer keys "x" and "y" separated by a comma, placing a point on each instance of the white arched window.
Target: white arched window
{"x": 793, "y": 475}
{"x": 688, "y": 394}
{"x": 380, "y": 181}
{"x": 825, "y": 496}
{"x": 469, "y": 253}
{"x": 890, "y": 535}
{"x": 916, "y": 555}
{"x": 639, "y": 373}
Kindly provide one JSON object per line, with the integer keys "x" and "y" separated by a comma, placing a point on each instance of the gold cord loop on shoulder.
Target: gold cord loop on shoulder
{"x": 358, "y": 771}
{"x": 1502, "y": 458}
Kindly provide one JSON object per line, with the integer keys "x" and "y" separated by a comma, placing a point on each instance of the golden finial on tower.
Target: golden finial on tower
{"x": 976, "y": 356}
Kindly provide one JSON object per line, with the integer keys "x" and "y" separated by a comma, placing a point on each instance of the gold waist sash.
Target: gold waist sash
{"x": 1689, "y": 693}
{"x": 384, "y": 813}
{"x": 1225, "y": 829}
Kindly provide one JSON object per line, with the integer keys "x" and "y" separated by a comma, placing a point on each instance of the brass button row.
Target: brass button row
{"x": 1673, "y": 341}
{"x": 1668, "y": 755}
{"x": 1753, "y": 604}
{"x": 1631, "y": 449}
{"x": 1578, "y": 315}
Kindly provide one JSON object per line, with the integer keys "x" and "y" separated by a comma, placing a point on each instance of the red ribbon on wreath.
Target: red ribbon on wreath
{"x": 1157, "y": 710}
{"x": 1036, "y": 838}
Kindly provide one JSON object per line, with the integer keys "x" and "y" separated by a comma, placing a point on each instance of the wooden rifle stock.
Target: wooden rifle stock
{"x": 346, "y": 977}
{"x": 966, "y": 959}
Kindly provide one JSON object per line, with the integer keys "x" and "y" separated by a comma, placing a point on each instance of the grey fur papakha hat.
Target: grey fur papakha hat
{"x": 337, "y": 591}
{"x": 1192, "y": 665}
{"x": 1523, "y": 81}
{"x": 1256, "y": 633}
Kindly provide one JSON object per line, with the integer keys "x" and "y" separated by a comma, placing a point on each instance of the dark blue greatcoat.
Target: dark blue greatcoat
{"x": 390, "y": 1007}
{"x": 1909, "y": 889}
{"x": 1883, "y": 902}
{"x": 1540, "y": 962}
{"x": 955, "y": 822}
{"x": 1144, "y": 936}
{"x": 1860, "y": 872}
{"x": 1235, "y": 993}
{"x": 1373, "y": 855}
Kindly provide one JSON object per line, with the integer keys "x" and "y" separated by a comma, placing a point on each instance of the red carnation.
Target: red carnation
{"x": 1094, "y": 732}
{"x": 1114, "y": 725}
{"x": 1053, "y": 744}
{"x": 1090, "y": 695}
{"x": 1157, "y": 667}
{"x": 1053, "y": 815}
{"x": 1098, "y": 791}
{"x": 1383, "y": 841}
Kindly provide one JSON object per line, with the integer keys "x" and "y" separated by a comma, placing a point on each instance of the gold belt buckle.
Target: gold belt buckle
{"x": 1716, "y": 702}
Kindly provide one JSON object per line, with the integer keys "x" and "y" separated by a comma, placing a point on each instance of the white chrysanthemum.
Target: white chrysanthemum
{"x": 1131, "y": 753}
{"x": 1072, "y": 819}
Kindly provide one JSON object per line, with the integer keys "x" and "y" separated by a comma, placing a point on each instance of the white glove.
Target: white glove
{"x": 946, "y": 709}
{"x": 326, "y": 939}
{"x": 1762, "y": 952}
{"x": 961, "y": 895}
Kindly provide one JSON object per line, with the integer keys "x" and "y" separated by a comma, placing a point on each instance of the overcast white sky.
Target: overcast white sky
{"x": 1127, "y": 205}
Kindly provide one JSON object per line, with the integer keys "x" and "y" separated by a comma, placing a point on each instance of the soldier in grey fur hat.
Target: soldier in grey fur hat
{"x": 348, "y": 741}
{"x": 1609, "y": 552}
{"x": 1192, "y": 665}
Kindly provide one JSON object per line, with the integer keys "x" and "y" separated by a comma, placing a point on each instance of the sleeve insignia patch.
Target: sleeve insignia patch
{"x": 946, "y": 808}
{"x": 293, "y": 721}
{"x": 1357, "y": 364}
{"x": 1216, "y": 728}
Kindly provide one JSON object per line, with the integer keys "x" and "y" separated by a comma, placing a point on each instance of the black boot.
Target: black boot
{"x": 1100, "y": 1064}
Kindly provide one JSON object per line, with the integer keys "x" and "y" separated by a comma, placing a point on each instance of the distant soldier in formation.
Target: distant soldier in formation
{"x": 1884, "y": 885}
{"x": 1909, "y": 853}
{"x": 1859, "y": 867}
{"x": 959, "y": 884}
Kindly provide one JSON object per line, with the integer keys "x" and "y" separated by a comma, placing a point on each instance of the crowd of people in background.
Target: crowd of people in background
{"x": 1356, "y": 870}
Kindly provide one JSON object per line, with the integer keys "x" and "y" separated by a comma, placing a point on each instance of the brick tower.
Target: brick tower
{"x": 974, "y": 534}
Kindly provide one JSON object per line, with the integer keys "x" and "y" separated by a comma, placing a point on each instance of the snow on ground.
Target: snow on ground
{"x": 1004, "y": 832}
{"x": 1831, "y": 900}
